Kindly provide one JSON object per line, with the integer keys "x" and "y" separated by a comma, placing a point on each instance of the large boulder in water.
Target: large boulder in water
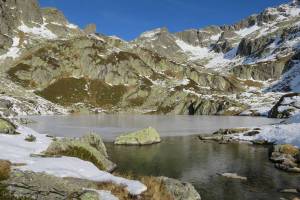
{"x": 89, "y": 147}
{"x": 142, "y": 137}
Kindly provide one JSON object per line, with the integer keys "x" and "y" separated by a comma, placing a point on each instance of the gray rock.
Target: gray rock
{"x": 40, "y": 186}
{"x": 90, "y": 29}
{"x": 142, "y": 137}
{"x": 180, "y": 190}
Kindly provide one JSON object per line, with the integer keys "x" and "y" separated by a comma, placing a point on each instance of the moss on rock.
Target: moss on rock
{"x": 89, "y": 148}
{"x": 142, "y": 137}
{"x": 7, "y": 127}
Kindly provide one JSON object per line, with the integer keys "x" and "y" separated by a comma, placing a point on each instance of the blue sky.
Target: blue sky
{"x": 129, "y": 18}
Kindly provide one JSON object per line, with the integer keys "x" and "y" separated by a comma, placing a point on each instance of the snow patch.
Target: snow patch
{"x": 246, "y": 31}
{"x": 195, "y": 52}
{"x": 14, "y": 50}
{"x": 17, "y": 150}
{"x": 41, "y": 31}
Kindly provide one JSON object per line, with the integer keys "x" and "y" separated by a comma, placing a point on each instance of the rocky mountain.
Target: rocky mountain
{"x": 227, "y": 70}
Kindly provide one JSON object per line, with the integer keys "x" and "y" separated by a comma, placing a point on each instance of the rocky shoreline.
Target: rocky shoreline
{"x": 35, "y": 179}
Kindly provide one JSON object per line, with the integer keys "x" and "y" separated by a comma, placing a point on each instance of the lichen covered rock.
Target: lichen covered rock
{"x": 142, "y": 137}
{"x": 180, "y": 190}
{"x": 7, "y": 127}
{"x": 89, "y": 147}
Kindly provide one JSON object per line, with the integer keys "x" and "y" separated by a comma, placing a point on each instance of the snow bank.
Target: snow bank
{"x": 17, "y": 150}
{"x": 287, "y": 133}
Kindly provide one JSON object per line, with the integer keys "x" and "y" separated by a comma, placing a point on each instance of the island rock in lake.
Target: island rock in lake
{"x": 142, "y": 137}
{"x": 89, "y": 147}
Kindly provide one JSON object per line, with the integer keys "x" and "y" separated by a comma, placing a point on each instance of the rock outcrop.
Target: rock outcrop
{"x": 142, "y": 137}
{"x": 286, "y": 157}
{"x": 6, "y": 127}
{"x": 29, "y": 185}
{"x": 286, "y": 106}
{"x": 89, "y": 147}
{"x": 180, "y": 190}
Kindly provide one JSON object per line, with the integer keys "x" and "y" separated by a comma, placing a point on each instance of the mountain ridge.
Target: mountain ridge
{"x": 217, "y": 68}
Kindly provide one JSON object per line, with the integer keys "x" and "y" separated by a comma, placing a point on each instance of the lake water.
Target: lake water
{"x": 110, "y": 126}
{"x": 185, "y": 158}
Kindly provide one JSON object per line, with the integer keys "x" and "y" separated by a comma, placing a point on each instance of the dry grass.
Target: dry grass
{"x": 289, "y": 149}
{"x": 4, "y": 169}
{"x": 251, "y": 83}
{"x": 155, "y": 189}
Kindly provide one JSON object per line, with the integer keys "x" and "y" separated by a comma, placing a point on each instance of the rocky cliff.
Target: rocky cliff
{"x": 226, "y": 70}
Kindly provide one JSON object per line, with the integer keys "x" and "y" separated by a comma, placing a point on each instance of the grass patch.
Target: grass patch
{"x": 156, "y": 189}
{"x": 67, "y": 91}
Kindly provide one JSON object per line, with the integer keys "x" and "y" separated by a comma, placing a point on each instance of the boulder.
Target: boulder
{"x": 89, "y": 147}
{"x": 142, "y": 137}
{"x": 7, "y": 127}
{"x": 180, "y": 190}
{"x": 286, "y": 157}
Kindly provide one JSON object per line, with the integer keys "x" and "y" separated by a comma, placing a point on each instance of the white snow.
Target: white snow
{"x": 40, "y": 30}
{"x": 195, "y": 52}
{"x": 72, "y": 26}
{"x": 150, "y": 34}
{"x": 17, "y": 150}
{"x": 246, "y": 31}
{"x": 284, "y": 133}
{"x": 14, "y": 50}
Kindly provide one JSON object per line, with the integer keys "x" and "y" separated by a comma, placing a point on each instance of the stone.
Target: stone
{"x": 142, "y": 137}
{"x": 234, "y": 176}
{"x": 45, "y": 187}
{"x": 89, "y": 147}
{"x": 230, "y": 131}
{"x": 90, "y": 29}
{"x": 7, "y": 127}
{"x": 180, "y": 190}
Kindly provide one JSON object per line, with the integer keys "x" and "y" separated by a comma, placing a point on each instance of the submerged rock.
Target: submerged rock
{"x": 89, "y": 147}
{"x": 234, "y": 176}
{"x": 180, "y": 190}
{"x": 7, "y": 127}
{"x": 142, "y": 137}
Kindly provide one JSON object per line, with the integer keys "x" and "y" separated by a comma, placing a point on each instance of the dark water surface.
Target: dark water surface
{"x": 189, "y": 159}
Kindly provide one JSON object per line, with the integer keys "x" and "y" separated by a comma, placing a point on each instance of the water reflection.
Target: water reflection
{"x": 110, "y": 126}
{"x": 188, "y": 159}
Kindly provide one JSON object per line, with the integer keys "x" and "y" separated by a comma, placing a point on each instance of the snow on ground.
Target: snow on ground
{"x": 246, "y": 31}
{"x": 41, "y": 31}
{"x": 17, "y": 150}
{"x": 285, "y": 133}
{"x": 14, "y": 50}
{"x": 195, "y": 52}
{"x": 150, "y": 34}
